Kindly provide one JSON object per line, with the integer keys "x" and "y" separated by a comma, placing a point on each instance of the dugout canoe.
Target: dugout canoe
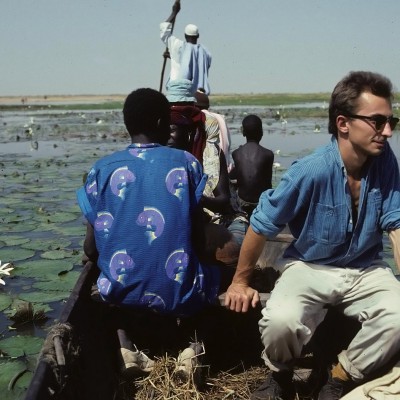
{"x": 79, "y": 358}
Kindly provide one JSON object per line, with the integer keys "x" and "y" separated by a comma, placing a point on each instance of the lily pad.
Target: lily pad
{"x": 37, "y": 189}
{"x": 65, "y": 283}
{"x": 48, "y": 244}
{"x": 19, "y": 228}
{"x": 5, "y": 301}
{"x": 74, "y": 231}
{"x": 14, "y": 218}
{"x": 14, "y": 240}
{"x": 9, "y": 370}
{"x": 44, "y": 297}
{"x": 73, "y": 209}
{"x": 45, "y": 226}
{"x": 5, "y": 210}
{"x": 12, "y": 255}
{"x": 18, "y": 346}
{"x": 63, "y": 217}
{"x": 56, "y": 254}
{"x": 43, "y": 269}
{"x": 10, "y": 200}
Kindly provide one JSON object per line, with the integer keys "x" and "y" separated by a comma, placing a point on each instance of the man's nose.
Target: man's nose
{"x": 387, "y": 130}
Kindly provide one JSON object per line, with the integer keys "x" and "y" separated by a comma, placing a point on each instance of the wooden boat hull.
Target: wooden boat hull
{"x": 92, "y": 363}
{"x": 91, "y": 371}
{"x": 91, "y": 348}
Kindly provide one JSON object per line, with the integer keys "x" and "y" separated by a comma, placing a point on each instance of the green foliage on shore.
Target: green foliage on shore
{"x": 282, "y": 100}
{"x": 107, "y": 105}
{"x": 268, "y": 99}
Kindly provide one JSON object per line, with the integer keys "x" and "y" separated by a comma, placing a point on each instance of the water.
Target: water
{"x": 57, "y": 133}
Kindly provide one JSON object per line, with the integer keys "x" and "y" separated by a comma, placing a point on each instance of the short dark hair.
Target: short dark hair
{"x": 252, "y": 127}
{"x": 344, "y": 98}
{"x": 146, "y": 111}
{"x": 202, "y": 100}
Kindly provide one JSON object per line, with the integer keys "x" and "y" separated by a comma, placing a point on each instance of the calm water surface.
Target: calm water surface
{"x": 53, "y": 133}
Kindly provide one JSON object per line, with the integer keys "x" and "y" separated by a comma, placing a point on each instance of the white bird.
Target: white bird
{"x": 34, "y": 145}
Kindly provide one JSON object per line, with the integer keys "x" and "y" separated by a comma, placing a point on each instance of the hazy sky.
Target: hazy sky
{"x": 113, "y": 46}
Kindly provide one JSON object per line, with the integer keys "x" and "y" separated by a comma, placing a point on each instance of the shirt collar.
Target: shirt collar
{"x": 336, "y": 153}
{"x": 143, "y": 145}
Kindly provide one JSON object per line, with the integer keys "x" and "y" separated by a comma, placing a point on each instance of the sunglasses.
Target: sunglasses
{"x": 379, "y": 121}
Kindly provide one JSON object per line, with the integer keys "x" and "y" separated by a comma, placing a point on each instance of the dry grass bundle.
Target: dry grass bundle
{"x": 236, "y": 386}
{"x": 163, "y": 383}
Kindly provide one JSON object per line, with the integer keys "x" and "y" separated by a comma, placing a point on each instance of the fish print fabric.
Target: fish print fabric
{"x": 140, "y": 201}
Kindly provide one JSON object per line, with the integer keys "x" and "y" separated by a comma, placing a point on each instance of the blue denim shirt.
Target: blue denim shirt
{"x": 314, "y": 200}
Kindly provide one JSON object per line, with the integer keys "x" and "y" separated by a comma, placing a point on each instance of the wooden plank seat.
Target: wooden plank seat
{"x": 264, "y": 275}
{"x": 263, "y": 299}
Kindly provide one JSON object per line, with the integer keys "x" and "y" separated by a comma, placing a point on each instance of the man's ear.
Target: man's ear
{"x": 342, "y": 124}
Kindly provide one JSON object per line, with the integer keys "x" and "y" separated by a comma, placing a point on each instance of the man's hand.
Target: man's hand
{"x": 176, "y": 7}
{"x": 240, "y": 296}
{"x": 394, "y": 237}
{"x": 85, "y": 259}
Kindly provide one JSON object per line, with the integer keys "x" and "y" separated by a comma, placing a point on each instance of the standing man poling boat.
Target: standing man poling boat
{"x": 189, "y": 59}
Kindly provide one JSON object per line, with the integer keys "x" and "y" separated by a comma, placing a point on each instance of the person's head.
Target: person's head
{"x": 180, "y": 136}
{"x": 345, "y": 98}
{"x": 183, "y": 126}
{"x": 202, "y": 100}
{"x": 147, "y": 112}
{"x": 252, "y": 127}
{"x": 191, "y": 33}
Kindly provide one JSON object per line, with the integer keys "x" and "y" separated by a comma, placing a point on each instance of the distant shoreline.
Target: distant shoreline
{"x": 60, "y": 99}
{"x": 267, "y": 99}
{"x": 316, "y": 104}
{"x": 93, "y": 98}
{"x": 215, "y": 99}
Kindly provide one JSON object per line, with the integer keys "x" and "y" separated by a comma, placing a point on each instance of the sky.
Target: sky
{"x": 71, "y": 47}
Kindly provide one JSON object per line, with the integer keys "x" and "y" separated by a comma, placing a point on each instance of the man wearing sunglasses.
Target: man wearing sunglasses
{"x": 337, "y": 203}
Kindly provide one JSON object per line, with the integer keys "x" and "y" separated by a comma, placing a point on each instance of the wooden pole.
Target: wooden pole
{"x": 166, "y": 52}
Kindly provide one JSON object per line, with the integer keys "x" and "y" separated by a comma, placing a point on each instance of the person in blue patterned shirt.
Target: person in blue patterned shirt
{"x": 141, "y": 205}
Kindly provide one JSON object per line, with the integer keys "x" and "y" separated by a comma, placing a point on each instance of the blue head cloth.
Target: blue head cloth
{"x": 180, "y": 90}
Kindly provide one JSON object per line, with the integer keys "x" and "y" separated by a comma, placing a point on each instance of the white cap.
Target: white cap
{"x": 191, "y": 30}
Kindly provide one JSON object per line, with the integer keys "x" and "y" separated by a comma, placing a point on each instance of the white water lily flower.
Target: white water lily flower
{"x": 5, "y": 271}
{"x": 276, "y": 165}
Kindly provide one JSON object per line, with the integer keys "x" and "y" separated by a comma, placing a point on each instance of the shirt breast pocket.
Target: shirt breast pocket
{"x": 329, "y": 225}
{"x": 374, "y": 211}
